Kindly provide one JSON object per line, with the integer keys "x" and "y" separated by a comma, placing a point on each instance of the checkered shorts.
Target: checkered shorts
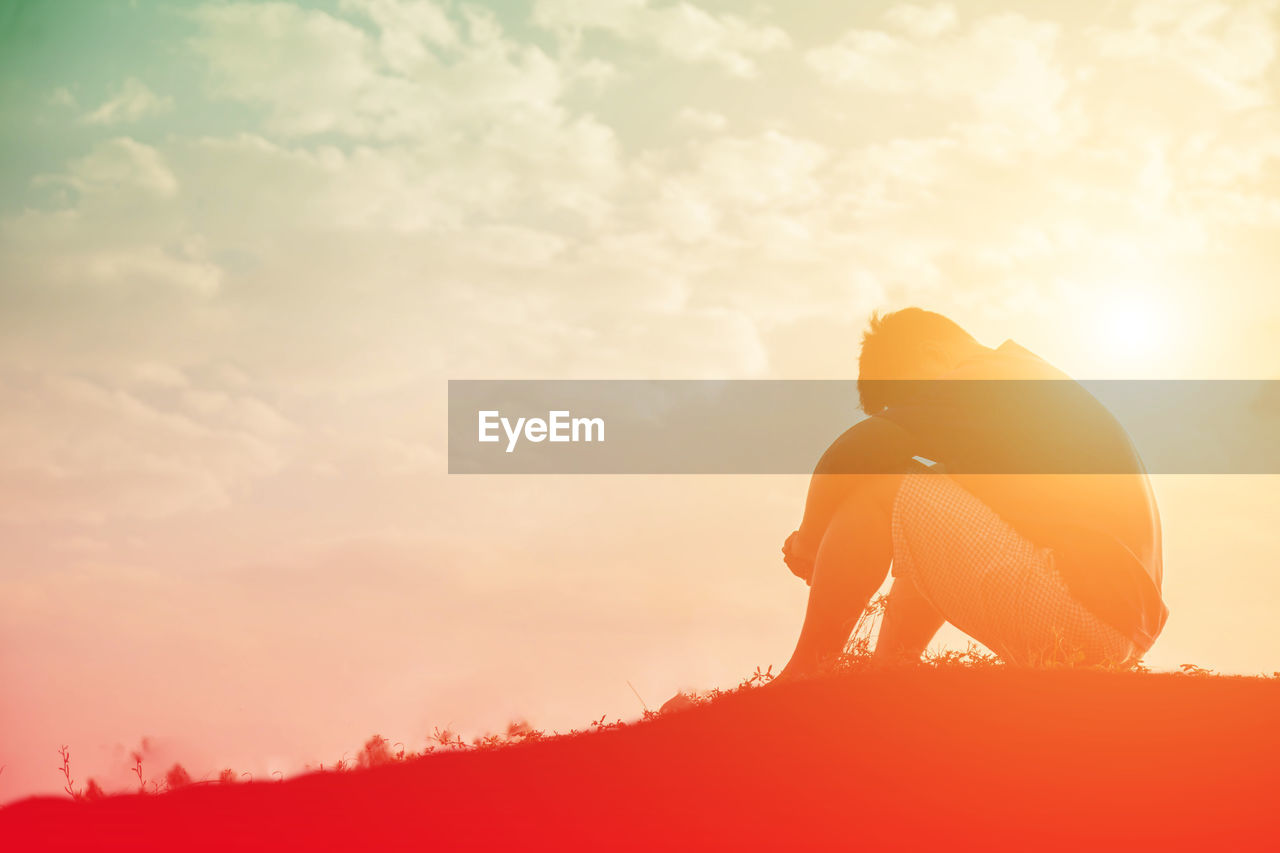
{"x": 992, "y": 583}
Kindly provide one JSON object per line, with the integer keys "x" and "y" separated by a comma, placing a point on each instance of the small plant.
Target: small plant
{"x": 489, "y": 740}
{"x": 137, "y": 769}
{"x": 600, "y": 724}
{"x": 1193, "y": 669}
{"x": 376, "y": 752}
{"x": 519, "y": 731}
{"x": 177, "y": 777}
{"x": 446, "y": 739}
{"x": 972, "y": 658}
{"x": 69, "y": 787}
{"x": 862, "y": 638}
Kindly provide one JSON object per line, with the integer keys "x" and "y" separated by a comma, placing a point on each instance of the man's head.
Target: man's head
{"x": 908, "y": 344}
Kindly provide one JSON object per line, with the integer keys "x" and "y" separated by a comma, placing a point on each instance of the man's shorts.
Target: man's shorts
{"x": 991, "y": 582}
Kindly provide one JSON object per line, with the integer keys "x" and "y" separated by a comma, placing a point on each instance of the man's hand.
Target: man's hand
{"x": 801, "y": 565}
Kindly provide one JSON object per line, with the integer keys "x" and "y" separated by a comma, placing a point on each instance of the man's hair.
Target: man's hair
{"x": 893, "y": 348}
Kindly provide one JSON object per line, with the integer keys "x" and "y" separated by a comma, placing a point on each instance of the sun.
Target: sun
{"x": 1132, "y": 326}
{"x": 1132, "y": 331}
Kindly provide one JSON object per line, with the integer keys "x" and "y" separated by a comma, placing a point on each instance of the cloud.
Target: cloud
{"x": 474, "y": 109}
{"x": 461, "y": 174}
{"x": 922, "y": 21}
{"x": 131, "y": 102}
{"x": 1228, "y": 47}
{"x": 147, "y": 266}
{"x": 408, "y": 29}
{"x": 705, "y": 120}
{"x": 121, "y": 164}
{"x": 314, "y": 70}
{"x": 59, "y": 263}
{"x": 450, "y": 177}
{"x": 62, "y": 97}
{"x": 738, "y": 178}
{"x": 1187, "y": 89}
{"x": 319, "y": 73}
{"x": 1002, "y": 73}
{"x": 681, "y": 30}
{"x": 120, "y": 233}
{"x": 149, "y": 454}
{"x": 772, "y": 169}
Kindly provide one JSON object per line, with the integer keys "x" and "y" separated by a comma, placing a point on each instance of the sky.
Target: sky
{"x": 244, "y": 246}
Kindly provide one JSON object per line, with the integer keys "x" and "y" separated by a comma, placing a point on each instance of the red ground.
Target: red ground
{"x": 956, "y": 759}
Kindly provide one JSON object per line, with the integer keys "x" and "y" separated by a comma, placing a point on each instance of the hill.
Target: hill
{"x": 908, "y": 759}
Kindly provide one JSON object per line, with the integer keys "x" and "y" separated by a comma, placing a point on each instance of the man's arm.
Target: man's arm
{"x": 872, "y": 446}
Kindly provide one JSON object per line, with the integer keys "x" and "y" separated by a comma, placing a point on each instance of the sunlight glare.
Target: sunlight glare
{"x": 1133, "y": 330}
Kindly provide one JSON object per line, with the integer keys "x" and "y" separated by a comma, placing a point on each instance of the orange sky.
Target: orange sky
{"x": 244, "y": 246}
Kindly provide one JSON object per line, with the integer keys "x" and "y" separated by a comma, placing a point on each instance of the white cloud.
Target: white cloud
{"x": 880, "y": 179}
{"x": 142, "y": 458}
{"x": 705, "y": 120}
{"x": 123, "y": 232}
{"x": 990, "y": 57}
{"x": 681, "y": 30}
{"x": 158, "y": 375}
{"x": 743, "y": 191}
{"x": 95, "y": 249}
{"x": 1002, "y": 71}
{"x": 1225, "y": 48}
{"x": 465, "y": 123}
{"x": 408, "y": 29}
{"x": 315, "y": 71}
{"x": 322, "y": 74}
{"x": 62, "y": 97}
{"x": 1231, "y": 45}
{"x": 1181, "y": 93}
{"x": 922, "y": 21}
{"x": 773, "y": 169}
{"x": 145, "y": 266}
{"x": 132, "y": 101}
{"x": 419, "y": 176}
{"x": 449, "y": 133}
{"x": 121, "y": 163}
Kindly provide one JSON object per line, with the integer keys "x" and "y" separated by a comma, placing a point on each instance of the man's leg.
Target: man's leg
{"x": 852, "y": 561}
{"x": 908, "y": 625}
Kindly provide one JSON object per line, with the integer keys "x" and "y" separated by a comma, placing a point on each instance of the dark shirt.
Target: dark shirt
{"x": 1055, "y": 464}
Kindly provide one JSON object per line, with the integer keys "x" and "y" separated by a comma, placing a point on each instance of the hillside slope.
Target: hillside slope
{"x": 968, "y": 759}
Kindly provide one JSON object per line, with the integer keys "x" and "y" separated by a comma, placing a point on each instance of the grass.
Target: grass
{"x": 958, "y": 752}
{"x": 948, "y": 755}
{"x": 378, "y": 751}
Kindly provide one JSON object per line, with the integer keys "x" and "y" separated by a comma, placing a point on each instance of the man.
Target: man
{"x": 1041, "y": 540}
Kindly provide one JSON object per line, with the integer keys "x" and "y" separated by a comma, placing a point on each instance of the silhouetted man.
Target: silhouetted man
{"x": 1041, "y": 540}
